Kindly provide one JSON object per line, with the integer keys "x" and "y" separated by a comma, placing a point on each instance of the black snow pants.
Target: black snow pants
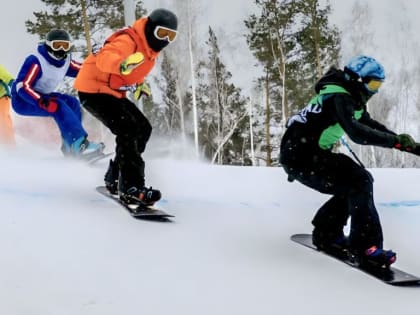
{"x": 350, "y": 185}
{"x": 132, "y": 131}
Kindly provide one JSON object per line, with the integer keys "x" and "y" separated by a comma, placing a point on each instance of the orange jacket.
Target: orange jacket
{"x": 100, "y": 72}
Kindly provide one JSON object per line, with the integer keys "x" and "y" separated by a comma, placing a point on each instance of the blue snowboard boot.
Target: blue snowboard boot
{"x": 82, "y": 148}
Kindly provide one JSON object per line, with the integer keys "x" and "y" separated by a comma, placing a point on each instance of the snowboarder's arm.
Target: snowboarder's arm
{"x": 6, "y": 81}
{"x": 5, "y": 76}
{"x": 356, "y": 130}
{"x": 73, "y": 68}
{"x": 367, "y": 120}
{"x": 111, "y": 56}
{"x": 28, "y": 75}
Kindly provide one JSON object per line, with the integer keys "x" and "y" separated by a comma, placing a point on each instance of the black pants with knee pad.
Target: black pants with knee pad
{"x": 350, "y": 185}
{"x": 132, "y": 131}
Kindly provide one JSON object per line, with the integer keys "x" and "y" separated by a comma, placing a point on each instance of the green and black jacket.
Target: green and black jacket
{"x": 338, "y": 108}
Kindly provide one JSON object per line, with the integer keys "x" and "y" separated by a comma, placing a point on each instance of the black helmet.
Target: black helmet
{"x": 58, "y": 43}
{"x": 161, "y": 28}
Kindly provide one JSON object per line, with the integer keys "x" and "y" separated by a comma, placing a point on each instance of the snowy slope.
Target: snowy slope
{"x": 68, "y": 250}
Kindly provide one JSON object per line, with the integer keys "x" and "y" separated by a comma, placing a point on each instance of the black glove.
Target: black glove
{"x": 405, "y": 142}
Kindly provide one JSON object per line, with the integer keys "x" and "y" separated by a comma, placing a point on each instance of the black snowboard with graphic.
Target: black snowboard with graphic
{"x": 138, "y": 212}
{"x": 390, "y": 275}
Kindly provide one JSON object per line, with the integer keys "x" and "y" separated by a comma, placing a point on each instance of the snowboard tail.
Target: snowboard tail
{"x": 99, "y": 157}
{"x": 389, "y": 275}
{"x": 137, "y": 211}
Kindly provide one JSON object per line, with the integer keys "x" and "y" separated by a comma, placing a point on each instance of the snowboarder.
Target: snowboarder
{"x": 306, "y": 155}
{"x": 106, "y": 76}
{"x": 34, "y": 92}
{"x": 7, "y": 135}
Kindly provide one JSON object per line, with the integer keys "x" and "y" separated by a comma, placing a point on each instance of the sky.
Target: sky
{"x": 226, "y": 17}
{"x": 68, "y": 250}
{"x": 22, "y": 44}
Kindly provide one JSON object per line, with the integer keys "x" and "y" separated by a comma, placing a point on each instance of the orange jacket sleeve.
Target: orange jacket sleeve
{"x": 115, "y": 52}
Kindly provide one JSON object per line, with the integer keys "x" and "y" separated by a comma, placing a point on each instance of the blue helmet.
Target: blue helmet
{"x": 365, "y": 67}
{"x": 368, "y": 71}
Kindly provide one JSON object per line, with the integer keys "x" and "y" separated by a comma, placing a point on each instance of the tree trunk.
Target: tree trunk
{"x": 86, "y": 27}
{"x": 193, "y": 93}
{"x": 251, "y": 133}
{"x": 282, "y": 72}
{"x": 317, "y": 44}
{"x": 267, "y": 119}
{"x": 181, "y": 111}
{"x": 226, "y": 138}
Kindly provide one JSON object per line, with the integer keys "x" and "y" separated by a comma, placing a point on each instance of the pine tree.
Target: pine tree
{"x": 295, "y": 45}
{"x": 272, "y": 40}
{"x": 183, "y": 52}
{"x": 102, "y": 17}
{"x": 168, "y": 117}
{"x": 222, "y": 109}
{"x": 319, "y": 48}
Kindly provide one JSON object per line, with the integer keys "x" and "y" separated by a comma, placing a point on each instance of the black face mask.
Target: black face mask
{"x": 155, "y": 43}
{"x": 57, "y": 54}
{"x": 60, "y": 54}
{"x": 358, "y": 91}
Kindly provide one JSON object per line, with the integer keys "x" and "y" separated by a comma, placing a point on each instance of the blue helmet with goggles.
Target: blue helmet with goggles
{"x": 366, "y": 69}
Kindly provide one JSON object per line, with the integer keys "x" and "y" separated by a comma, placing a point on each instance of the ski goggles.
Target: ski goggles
{"x": 59, "y": 45}
{"x": 164, "y": 33}
{"x": 373, "y": 85}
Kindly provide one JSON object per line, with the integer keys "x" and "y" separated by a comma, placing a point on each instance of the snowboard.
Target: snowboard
{"x": 139, "y": 212}
{"x": 389, "y": 275}
{"x": 99, "y": 157}
{"x": 90, "y": 156}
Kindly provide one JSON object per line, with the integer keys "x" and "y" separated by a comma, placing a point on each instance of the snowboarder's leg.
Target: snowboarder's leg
{"x": 365, "y": 230}
{"x": 68, "y": 122}
{"x": 7, "y": 135}
{"x": 131, "y": 143}
{"x": 366, "y": 237}
{"x": 329, "y": 222}
{"x": 339, "y": 175}
{"x": 68, "y": 119}
{"x": 132, "y": 130}
{"x": 111, "y": 177}
{"x": 322, "y": 173}
{"x": 72, "y": 103}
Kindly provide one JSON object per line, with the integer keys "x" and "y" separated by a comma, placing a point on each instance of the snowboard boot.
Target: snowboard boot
{"x": 378, "y": 257}
{"x": 111, "y": 177}
{"x": 83, "y": 148}
{"x": 333, "y": 242}
{"x": 141, "y": 196}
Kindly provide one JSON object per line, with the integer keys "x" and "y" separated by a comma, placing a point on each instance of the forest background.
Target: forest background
{"x": 224, "y": 90}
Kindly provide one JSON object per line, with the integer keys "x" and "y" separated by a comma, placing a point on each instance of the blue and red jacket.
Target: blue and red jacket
{"x": 41, "y": 74}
